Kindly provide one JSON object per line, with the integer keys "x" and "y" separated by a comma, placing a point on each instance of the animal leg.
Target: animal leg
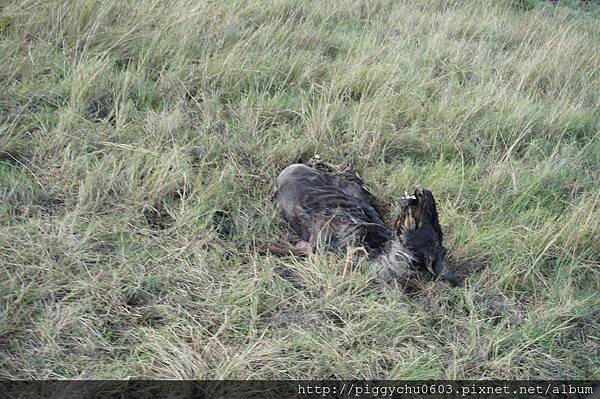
{"x": 302, "y": 248}
{"x": 441, "y": 269}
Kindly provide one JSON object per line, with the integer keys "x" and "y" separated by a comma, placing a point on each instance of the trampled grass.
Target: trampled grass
{"x": 140, "y": 141}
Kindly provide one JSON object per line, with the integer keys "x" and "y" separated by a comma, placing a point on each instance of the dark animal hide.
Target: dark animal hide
{"x": 333, "y": 210}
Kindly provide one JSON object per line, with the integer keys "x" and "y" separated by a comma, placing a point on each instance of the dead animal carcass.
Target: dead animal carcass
{"x": 333, "y": 210}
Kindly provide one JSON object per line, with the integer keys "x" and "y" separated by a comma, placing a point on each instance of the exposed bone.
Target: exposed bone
{"x": 406, "y": 196}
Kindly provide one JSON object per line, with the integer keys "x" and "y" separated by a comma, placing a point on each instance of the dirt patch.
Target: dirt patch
{"x": 290, "y": 276}
{"x": 101, "y": 108}
{"x": 137, "y": 299}
{"x": 157, "y": 219}
{"x": 223, "y": 223}
{"x": 11, "y": 158}
{"x": 464, "y": 269}
{"x": 43, "y": 206}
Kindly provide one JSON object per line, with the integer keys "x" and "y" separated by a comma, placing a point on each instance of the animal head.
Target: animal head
{"x": 419, "y": 229}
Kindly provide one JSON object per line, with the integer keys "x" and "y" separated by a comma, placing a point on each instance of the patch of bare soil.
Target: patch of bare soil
{"x": 464, "y": 269}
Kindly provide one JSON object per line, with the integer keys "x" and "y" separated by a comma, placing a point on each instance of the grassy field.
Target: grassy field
{"x": 140, "y": 141}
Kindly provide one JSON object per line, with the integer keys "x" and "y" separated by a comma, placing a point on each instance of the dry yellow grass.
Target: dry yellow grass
{"x": 139, "y": 143}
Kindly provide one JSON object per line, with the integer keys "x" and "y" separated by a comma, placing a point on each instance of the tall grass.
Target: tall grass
{"x": 139, "y": 144}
